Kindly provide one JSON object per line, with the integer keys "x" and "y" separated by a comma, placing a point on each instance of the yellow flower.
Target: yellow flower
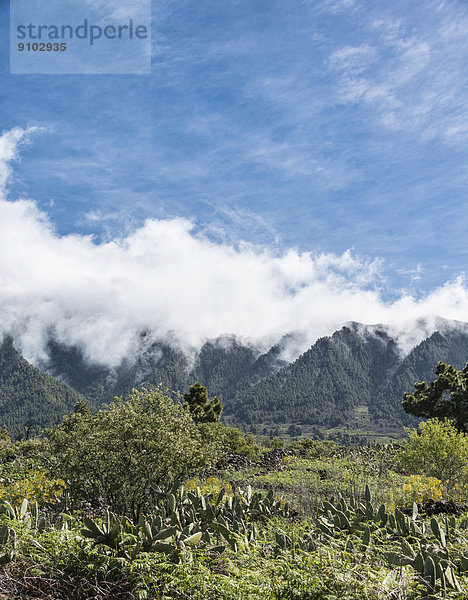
{"x": 35, "y": 486}
{"x": 419, "y": 489}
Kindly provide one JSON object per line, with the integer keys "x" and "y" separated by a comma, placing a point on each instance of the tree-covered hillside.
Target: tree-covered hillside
{"x": 158, "y": 364}
{"x": 29, "y": 398}
{"x": 223, "y": 365}
{"x": 450, "y": 347}
{"x": 356, "y": 369}
{"x": 335, "y": 375}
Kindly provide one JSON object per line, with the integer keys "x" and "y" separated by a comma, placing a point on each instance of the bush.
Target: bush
{"x": 311, "y": 448}
{"x": 35, "y": 485}
{"x": 118, "y": 455}
{"x": 277, "y": 443}
{"x": 420, "y": 489}
{"x": 437, "y": 450}
{"x": 234, "y": 440}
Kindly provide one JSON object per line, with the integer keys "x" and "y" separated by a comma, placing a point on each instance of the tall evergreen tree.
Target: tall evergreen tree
{"x": 202, "y": 409}
{"x": 446, "y": 396}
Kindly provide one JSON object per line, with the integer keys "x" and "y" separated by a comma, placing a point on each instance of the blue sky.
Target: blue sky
{"x": 316, "y": 125}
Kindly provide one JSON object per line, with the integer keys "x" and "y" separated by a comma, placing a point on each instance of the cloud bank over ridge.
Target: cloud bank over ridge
{"x": 167, "y": 280}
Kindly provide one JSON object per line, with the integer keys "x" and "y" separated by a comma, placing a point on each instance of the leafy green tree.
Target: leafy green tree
{"x": 447, "y": 396}
{"x": 202, "y": 409}
{"x": 116, "y": 456}
{"x": 294, "y": 430}
{"x": 437, "y": 450}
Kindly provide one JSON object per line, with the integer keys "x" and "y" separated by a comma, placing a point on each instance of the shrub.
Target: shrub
{"x": 234, "y": 440}
{"x": 420, "y": 489}
{"x": 437, "y": 450}
{"x": 36, "y": 486}
{"x": 118, "y": 455}
{"x": 277, "y": 443}
{"x": 311, "y": 448}
{"x": 211, "y": 485}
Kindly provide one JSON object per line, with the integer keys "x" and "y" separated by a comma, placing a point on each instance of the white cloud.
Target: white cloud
{"x": 166, "y": 279}
{"x": 335, "y": 6}
{"x": 9, "y": 146}
{"x": 355, "y": 58}
{"x": 412, "y": 78}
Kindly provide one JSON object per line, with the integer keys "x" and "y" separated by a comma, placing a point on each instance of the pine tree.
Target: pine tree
{"x": 446, "y": 396}
{"x": 202, "y": 409}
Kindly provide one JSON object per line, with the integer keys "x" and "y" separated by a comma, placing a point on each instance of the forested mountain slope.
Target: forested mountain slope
{"x": 358, "y": 367}
{"x": 450, "y": 347}
{"x": 29, "y": 398}
{"x": 335, "y": 375}
{"x": 354, "y": 367}
{"x": 223, "y": 366}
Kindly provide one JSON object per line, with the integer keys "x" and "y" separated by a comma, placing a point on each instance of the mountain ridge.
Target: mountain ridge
{"x": 357, "y": 367}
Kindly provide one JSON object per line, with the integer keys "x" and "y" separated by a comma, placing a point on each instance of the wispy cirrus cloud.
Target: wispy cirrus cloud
{"x": 413, "y": 81}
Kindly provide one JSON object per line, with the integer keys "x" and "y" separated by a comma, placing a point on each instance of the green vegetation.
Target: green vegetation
{"x": 138, "y": 501}
{"x": 324, "y": 385}
{"x": 344, "y": 376}
{"x": 233, "y": 440}
{"x": 29, "y": 398}
{"x": 202, "y": 409}
{"x": 446, "y": 396}
{"x": 116, "y": 456}
{"x": 154, "y": 498}
{"x": 438, "y": 450}
{"x": 347, "y": 386}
